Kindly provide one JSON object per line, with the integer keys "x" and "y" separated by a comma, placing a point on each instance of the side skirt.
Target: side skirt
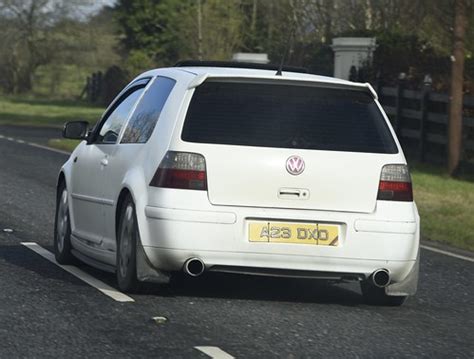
{"x": 93, "y": 262}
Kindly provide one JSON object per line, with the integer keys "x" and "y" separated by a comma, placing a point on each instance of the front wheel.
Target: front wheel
{"x": 62, "y": 228}
{"x": 374, "y": 295}
{"x": 127, "y": 239}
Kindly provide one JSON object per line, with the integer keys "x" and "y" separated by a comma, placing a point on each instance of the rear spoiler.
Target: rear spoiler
{"x": 199, "y": 79}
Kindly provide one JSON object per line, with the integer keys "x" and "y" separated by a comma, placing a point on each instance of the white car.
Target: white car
{"x": 217, "y": 167}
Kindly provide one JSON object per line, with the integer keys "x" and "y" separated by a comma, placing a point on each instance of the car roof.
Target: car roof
{"x": 202, "y": 73}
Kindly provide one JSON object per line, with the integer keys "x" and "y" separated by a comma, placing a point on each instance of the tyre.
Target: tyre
{"x": 127, "y": 239}
{"x": 62, "y": 228}
{"x": 374, "y": 295}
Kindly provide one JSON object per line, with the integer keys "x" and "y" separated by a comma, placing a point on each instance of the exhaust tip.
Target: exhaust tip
{"x": 381, "y": 278}
{"x": 194, "y": 267}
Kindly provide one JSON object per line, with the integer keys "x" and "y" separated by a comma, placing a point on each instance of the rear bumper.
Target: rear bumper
{"x": 173, "y": 260}
{"x": 380, "y": 226}
{"x": 218, "y": 235}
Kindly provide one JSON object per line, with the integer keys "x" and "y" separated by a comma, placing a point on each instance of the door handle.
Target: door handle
{"x": 293, "y": 193}
{"x": 104, "y": 162}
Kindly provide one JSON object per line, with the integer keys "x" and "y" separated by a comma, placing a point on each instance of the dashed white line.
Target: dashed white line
{"x": 35, "y": 145}
{"x": 48, "y": 148}
{"x": 87, "y": 278}
{"x": 214, "y": 352}
{"x": 446, "y": 253}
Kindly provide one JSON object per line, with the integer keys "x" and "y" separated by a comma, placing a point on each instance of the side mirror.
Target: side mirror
{"x": 76, "y": 130}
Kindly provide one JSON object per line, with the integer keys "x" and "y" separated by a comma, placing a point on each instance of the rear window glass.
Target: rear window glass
{"x": 286, "y": 116}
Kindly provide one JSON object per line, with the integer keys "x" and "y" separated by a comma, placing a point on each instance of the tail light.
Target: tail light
{"x": 181, "y": 170}
{"x": 395, "y": 184}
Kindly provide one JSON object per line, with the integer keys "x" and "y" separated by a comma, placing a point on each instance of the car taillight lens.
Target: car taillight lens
{"x": 395, "y": 184}
{"x": 181, "y": 170}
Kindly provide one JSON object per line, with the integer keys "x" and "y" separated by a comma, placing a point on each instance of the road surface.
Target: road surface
{"x": 47, "y": 312}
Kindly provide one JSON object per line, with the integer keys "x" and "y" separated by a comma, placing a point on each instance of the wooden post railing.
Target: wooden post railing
{"x": 424, "y": 105}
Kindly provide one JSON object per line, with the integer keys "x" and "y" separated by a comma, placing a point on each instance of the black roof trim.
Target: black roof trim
{"x": 239, "y": 65}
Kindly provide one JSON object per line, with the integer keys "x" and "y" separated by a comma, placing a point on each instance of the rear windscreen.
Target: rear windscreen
{"x": 286, "y": 116}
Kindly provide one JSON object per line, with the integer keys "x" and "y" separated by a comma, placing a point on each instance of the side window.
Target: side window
{"x": 143, "y": 121}
{"x": 110, "y": 129}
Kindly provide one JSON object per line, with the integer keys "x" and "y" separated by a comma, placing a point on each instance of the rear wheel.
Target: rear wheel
{"x": 62, "y": 228}
{"x": 127, "y": 239}
{"x": 374, "y": 295}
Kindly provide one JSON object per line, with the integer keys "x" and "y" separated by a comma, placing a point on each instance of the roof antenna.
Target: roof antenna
{"x": 278, "y": 73}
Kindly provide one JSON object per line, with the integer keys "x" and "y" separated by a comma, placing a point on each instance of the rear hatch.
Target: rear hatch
{"x": 289, "y": 145}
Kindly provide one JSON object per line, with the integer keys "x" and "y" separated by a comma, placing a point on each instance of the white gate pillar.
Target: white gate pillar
{"x": 351, "y": 51}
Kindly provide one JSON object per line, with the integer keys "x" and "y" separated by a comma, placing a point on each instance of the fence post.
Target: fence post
{"x": 93, "y": 85}
{"x": 424, "y": 100}
{"x": 399, "y": 100}
{"x": 99, "y": 85}
{"x": 87, "y": 89}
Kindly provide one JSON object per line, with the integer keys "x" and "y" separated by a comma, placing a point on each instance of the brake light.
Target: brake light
{"x": 182, "y": 170}
{"x": 395, "y": 184}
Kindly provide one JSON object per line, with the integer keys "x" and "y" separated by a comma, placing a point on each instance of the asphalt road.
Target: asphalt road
{"x": 46, "y": 312}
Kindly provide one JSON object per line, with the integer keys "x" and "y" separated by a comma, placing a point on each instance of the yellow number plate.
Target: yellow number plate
{"x": 304, "y": 233}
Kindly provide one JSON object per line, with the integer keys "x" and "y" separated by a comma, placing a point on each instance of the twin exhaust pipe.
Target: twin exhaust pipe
{"x": 194, "y": 267}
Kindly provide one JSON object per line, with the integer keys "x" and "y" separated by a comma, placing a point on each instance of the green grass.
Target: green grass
{"x": 37, "y": 112}
{"x": 446, "y": 206}
{"x": 60, "y": 81}
{"x": 63, "y": 144}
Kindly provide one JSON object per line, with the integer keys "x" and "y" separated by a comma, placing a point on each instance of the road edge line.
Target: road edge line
{"x": 78, "y": 273}
{"x": 446, "y": 253}
{"x": 48, "y": 148}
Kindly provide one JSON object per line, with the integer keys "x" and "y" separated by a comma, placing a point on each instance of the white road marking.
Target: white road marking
{"x": 48, "y": 148}
{"x": 36, "y": 145}
{"x": 101, "y": 286}
{"x": 159, "y": 320}
{"x": 214, "y": 352}
{"x": 446, "y": 253}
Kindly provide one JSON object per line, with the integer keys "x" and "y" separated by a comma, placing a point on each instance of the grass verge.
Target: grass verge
{"x": 35, "y": 112}
{"x": 63, "y": 144}
{"x": 446, "y": 206}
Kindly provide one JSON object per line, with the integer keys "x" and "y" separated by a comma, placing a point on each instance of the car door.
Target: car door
{"x": 128, "y": 154}
{"x": 88, "y": 173}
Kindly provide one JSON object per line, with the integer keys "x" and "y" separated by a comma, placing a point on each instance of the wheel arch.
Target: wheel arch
{"x": 146, "y": 272}
{"x": 124, "y": 193}
{"x": 134, "y": 184}
{"x": 61, "y": 179}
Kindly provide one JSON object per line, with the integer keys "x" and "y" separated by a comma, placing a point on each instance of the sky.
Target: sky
{"x": 86, "y": 8}
{"x": 96, "y": 5}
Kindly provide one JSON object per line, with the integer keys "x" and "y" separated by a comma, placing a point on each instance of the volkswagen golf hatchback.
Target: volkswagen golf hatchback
{"x": 212, "y": 167}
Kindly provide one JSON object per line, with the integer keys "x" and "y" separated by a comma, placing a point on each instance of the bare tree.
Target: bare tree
{"x": 26, "y": 38}
{"x": 209, "y": 29}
